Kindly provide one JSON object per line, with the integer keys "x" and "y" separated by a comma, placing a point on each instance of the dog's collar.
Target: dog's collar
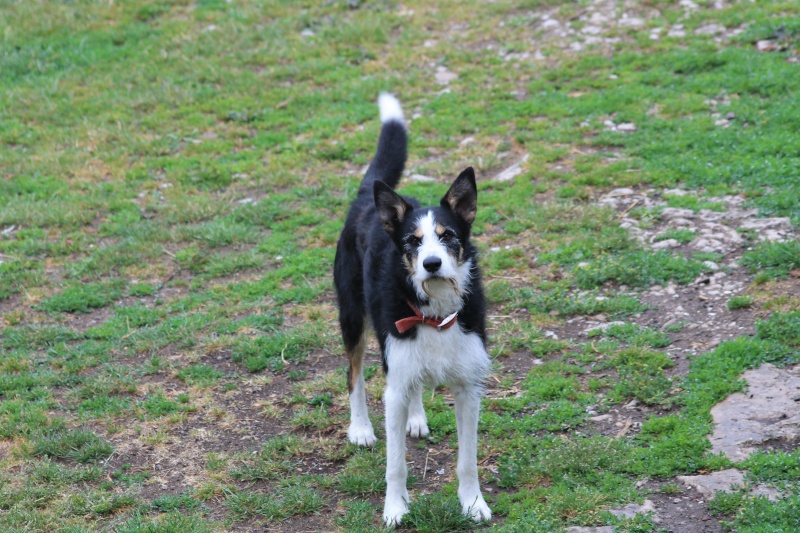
{"x": 405, "y": 324}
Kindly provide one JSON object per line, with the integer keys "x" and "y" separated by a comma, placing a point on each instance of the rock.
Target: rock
{"x": 767, "y": 46}
{"x": 676, "y": 212}
{"x": 632, "y": 509}
{"x": 421, "y": 178}
{"x": 307, "y": 33}
{"x": 444, "y": 76}
{"x": 771, "y": 493}
{"x": 708, "y": 245}
{"x": 711, "y": 265}
{"x": 710, "y": 29}
{"x": 770, "y": 229}
{"x": 550, "y": 23}
{"x": 677, "y": 31}
{"x": 710, "y": 484}
{"x": 580, "y": 529}
{"x": 680, "y": 222}
{"x": 626, "y": 127}
{"x": 769, "y": 411}
{"x": 631, "y": 22}
{"x": 600, "y": 418}
{"x": 666, "y": 243}
{"x": 712, "y": 231}
{"x": 512, "y": 171}
{"x": 603, "y": 327}
{"x": 621, "y": 191}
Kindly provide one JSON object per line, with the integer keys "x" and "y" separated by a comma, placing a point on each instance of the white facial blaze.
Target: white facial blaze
{"x": 445, "y": 287}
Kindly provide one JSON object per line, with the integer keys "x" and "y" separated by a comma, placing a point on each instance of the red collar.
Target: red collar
{"x": 405, "y": 324}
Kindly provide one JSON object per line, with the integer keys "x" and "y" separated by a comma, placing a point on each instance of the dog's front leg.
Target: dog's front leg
{"x": 396, "y": 401}
{"x": 468, "y": 404}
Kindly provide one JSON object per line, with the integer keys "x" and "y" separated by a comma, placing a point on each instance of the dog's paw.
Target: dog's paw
{"x": 393, "y": 512}
{"x": 363, "y": 435}
{"x": 417, "y": 427}
{"x": 476, "y": 508}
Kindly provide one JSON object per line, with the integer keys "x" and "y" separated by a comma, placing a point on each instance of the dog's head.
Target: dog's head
{"x": 433, "y": 241}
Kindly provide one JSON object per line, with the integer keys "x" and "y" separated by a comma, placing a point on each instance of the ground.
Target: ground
{"x": 174, "y": 177}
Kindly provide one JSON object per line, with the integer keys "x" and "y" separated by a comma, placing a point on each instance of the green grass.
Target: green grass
{"x": 773, "y": 259}
{"x": 681, "y": 235}
{"x": 740, "y": 302}
{"x": 81, "y": 446}
{"x": 175, "y": 175}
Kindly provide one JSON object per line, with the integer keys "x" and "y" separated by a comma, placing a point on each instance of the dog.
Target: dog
{"x": 412, "y": 273}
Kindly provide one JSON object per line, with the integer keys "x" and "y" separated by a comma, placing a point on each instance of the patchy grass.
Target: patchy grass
{"x": 740, "y": 302}
{"x": 174, "y": 179}
{"x": 773, "y": 259}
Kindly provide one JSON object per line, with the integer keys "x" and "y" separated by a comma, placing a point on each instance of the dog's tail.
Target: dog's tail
{"x": 390, "y": 158}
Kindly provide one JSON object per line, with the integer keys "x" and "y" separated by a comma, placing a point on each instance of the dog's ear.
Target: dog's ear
{"x": 391, "y": 206}
{"x": 462, "y": 198}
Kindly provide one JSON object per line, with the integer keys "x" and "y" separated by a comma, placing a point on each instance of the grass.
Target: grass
{"x": 175, "y": 175}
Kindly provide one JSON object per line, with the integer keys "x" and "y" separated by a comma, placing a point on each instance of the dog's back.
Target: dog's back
{"x": 362, "y": 233}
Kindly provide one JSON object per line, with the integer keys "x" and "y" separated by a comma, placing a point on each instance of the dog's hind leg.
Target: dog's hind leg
{"x": 360, "y": 431}
{"x": 417, "y": 425}
{"x": 468, "y": 404}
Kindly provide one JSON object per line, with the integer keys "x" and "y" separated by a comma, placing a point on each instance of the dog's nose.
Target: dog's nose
{"x": 431, "y": 264}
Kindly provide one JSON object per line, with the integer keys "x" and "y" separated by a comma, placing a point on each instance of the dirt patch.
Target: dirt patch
{"x": 683, "y": 512}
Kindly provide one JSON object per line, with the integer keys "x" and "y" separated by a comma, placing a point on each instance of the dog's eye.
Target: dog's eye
{"x": 413, "y": 240}
{"x": 448, "y": 236}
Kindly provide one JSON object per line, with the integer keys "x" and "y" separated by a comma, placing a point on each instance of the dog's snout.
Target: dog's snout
{"x": 431, "y": 264}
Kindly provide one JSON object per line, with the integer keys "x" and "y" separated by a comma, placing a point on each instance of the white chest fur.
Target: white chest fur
{"x": 434, "y": 357}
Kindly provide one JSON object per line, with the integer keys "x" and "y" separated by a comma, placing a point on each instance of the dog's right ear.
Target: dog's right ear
{"x": 391, "y": 206}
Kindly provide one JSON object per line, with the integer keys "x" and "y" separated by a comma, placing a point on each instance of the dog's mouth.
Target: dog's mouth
{"x": 435, "y": 284}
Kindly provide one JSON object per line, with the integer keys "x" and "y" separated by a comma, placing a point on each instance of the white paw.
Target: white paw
{"x": 417, "y": 426}
{"x": 363, "y": 435}
{"x": 476, "y": 508}
{"x": 393, "y": 511}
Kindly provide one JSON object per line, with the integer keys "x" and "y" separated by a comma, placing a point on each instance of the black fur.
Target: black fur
{"x": 369, "y": 272}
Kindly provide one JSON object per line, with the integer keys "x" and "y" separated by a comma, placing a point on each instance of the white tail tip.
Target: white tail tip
{"x": 390, "y": 108}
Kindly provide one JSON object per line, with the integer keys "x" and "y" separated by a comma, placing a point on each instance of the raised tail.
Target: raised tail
{"x": 390, "y": 158}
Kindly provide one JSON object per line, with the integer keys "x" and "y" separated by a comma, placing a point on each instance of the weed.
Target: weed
{"x": 362, "y": 475}
{"x": 359, "y": 517}
{"x": 173, "y": 502}
{"x": 681, "y": 235}
{"x": 85, "y": 297}
{"x": 726, "y": 503}
{"x": 202, "y": 375}
{"x": 781, "y": 327}
{"x": 638, "y": 269}
{"x": 634, "y": 335}
{"x": 77, "y": 445}
{"x": 172, "y": 522}
{"x": 773, "y": 259}
{"x": 436, "y": 513}
{"x": 740, "y": 302}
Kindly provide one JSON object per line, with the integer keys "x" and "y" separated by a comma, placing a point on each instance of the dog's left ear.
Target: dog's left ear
{"x": 462, "y": 198}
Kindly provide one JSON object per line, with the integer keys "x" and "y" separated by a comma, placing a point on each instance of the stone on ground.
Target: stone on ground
{"x": 770, "y": 411}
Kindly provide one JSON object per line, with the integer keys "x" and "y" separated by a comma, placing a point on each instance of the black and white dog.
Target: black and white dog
{"x": 412, "y": 272}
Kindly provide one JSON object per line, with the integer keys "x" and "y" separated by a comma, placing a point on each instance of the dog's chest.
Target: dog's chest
{"x": 448, "y": 356}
